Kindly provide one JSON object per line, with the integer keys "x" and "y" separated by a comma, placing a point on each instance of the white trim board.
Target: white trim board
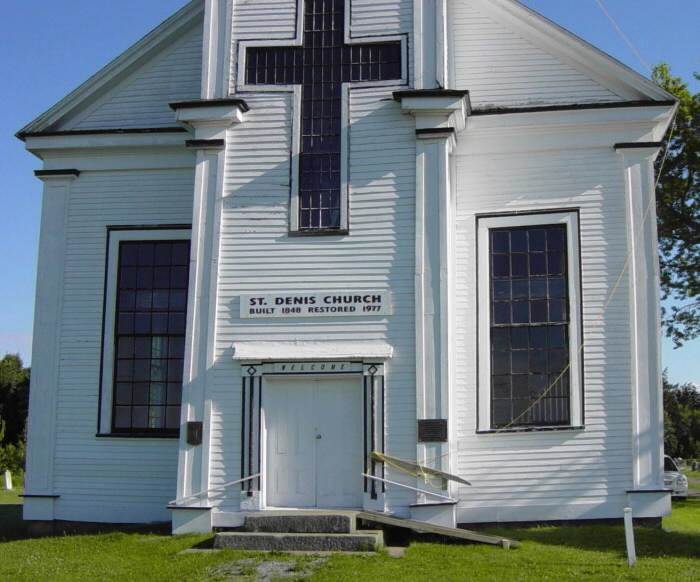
{"x": 311, "y": 351}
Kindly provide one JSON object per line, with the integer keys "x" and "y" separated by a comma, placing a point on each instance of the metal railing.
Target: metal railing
{"x": 423, "y": 491}
{"x": 182, "y": 502}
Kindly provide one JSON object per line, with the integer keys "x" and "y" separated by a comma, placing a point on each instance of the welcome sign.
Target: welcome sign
{"x": 328, "y": 304}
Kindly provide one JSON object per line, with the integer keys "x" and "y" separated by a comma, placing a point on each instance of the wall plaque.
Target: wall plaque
{"x": 432, "y": 430}
{"x": 326, "y": 304}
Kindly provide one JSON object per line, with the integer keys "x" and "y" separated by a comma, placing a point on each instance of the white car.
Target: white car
{"x": 674, "y": 480}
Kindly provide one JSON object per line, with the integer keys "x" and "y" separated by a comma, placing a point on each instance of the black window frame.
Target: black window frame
{"x": 152, "y": 235}
{"x": 529, "y": 329}
{"x": 535, "y": 219}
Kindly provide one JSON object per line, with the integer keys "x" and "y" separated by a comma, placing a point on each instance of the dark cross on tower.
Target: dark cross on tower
{"x": 321, "y": 65}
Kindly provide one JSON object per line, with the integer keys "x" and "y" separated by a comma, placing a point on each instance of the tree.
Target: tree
{"x": 681, "y": 420}
{"x": 14, "y": 398}
{"x": 678, "y": 209}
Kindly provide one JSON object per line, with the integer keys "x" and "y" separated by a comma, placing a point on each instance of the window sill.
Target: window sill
{"x": 537, "y": 429}
{"x": 136, "y": 435}
{"x": 321, "y": 232}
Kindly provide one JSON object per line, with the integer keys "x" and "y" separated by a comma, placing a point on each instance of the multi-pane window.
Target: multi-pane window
{"x": 529, "y": 326}
{"x": 149, "y": 335}
{"x": 320, "y": 66}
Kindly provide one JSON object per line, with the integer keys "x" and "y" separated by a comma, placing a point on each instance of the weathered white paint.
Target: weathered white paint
{"x": 442, "y": 514}
{"x": 501, "y": 67}
{"x": 645, "y": 317}
{"x": 142, "y": 98}
{"x": 629, "y": 537}
{"x": 193, "y": 463}
{"x": 98, "y": 479}
{"x": 314, "y": 442}
{"x": 191, "y": 521}
{"x": 40, "y": 475}
{"x": 216, "y": 49}
{"x": 434, "y": 262}
{"x": 241, "y": 202}
{"x": 593, "y": 75}
{"x": 568, "y": 474}
{"x": 309, "y": 350}
{"x": 258, "y": 256}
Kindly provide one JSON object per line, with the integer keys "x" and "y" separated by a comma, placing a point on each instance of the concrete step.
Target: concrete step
{"x": 367, "y": 541}
{"x": 314, "y": 523}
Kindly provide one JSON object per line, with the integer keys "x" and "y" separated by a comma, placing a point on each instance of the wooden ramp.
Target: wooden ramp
{"x": 423, "y": 527}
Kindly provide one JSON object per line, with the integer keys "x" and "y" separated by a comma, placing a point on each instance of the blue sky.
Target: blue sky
{"x": 51, "y": 47}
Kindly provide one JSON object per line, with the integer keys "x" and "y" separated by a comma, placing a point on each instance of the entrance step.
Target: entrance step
{"x": 366, "y": 541}
{"x": 300, "y": 524}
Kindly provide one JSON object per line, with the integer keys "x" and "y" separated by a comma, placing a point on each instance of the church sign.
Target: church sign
{"x": 328, "y": 304}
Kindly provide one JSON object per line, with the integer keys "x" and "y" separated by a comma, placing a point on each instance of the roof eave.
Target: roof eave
{"x": 119, "y": 66}
{"x": 602, "y": 67}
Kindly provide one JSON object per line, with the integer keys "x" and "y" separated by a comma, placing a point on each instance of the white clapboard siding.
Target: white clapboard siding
{"x": 261, "y": 20}
{"x": 105, "y": 479}
{"x": 141, "y": 100}
{"x": 379, "y": 17}
{"x": 277, "y": 20}
{"x": 501, "y": 68}
{"x": 561, "y": 469}
{"x": 257, "y": 255}
{"x": 264, "y": 19}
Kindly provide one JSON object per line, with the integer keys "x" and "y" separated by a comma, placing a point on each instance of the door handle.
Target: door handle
{"x": 319, "y": 437}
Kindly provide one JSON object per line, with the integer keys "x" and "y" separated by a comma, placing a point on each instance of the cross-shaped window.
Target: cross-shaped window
{"x": 321, "y": 65}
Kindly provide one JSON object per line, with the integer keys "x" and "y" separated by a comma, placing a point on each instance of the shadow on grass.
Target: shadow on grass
{"x": 13, "y": 528}
{"x": 650, "y": 542}
{"x": 207, "y": 544}
{"x": 11, "y": 525}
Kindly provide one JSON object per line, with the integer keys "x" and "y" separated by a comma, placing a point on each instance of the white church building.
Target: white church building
{"x": 290, "y": 247}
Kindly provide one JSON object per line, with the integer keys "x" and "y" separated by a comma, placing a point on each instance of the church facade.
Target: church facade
{"x": 313, "y": 254}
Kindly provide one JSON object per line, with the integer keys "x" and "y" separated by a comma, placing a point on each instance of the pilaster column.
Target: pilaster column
{"x": 39, "y": 485}
{"x": 210, "y": 121}
{"x": 645, "y": 318}
{"x": 216, "y": 50}
{"x": 433, "y": 284}
{"x": 430, "y": 53}
{"x": 439, "y": 115}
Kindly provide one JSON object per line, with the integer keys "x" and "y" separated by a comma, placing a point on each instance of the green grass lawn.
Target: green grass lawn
{"x": 693, "y": 481}
{"x": 547, "y": 553}
{"x": 10, "y": 497}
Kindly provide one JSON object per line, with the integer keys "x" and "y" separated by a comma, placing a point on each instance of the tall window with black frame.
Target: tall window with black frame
{"x": 530, "y": 379}
{"x": 150, "y": 336}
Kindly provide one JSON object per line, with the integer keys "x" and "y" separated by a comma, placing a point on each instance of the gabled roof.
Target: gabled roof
{"x": 565, "y": 45}
{"x": 119, "y": 68}
{"x": 569, "y": 48}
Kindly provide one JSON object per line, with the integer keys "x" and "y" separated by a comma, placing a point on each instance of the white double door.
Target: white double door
{"x": 314, "y": 442}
